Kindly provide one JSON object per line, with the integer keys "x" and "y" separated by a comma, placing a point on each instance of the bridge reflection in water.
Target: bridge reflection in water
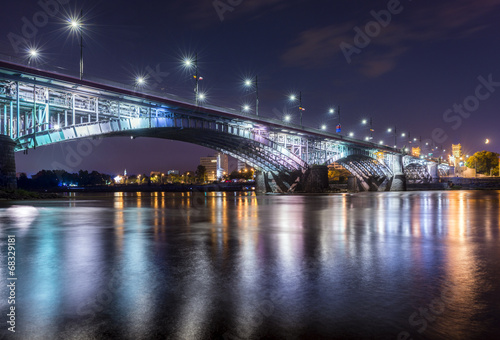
{"x": 213, "y": 265}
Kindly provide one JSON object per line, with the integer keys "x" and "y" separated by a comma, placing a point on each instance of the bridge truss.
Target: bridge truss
{"x": 40, "y": 108}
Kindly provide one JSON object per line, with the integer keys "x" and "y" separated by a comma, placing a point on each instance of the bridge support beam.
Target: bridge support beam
{"x": 399, "y": 178}
{"x": 7, "y": 163}
{"x": 313, "y": 180}
{"x": 316, "y": 179}
{"x": 433, "y": 171}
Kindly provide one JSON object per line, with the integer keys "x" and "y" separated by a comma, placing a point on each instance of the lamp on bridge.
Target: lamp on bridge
{"x": 190, "y": 63}
{"x": 76, "y": 25}
{"x": 364, "y": 122}
{"x": 294, "y": 98}
{"x": 140, "y": 81}
{"x": 332, "y": 111}
{"x": 254, "y": 83}
{"x": 32, "y": 54}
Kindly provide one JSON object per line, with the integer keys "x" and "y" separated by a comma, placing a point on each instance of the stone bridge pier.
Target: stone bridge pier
{"x": 432, "y": 168}
{"x": 398, "y": 178}
{"x": 7, "y": 163}
{"x": 311, "y": 180}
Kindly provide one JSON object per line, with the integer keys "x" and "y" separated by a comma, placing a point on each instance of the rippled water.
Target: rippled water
{"x": 421, "y": 265}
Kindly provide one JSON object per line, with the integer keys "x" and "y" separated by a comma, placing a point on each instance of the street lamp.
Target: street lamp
{"x": 323, "y": 127}
{"x": 76, "y": 25}
{"x": 249, "y": 83}
{"x": 395, "y": 135}
{"x": 140, "y": 81}
{"x": 246, "y": 108}
{"x": 364, "y": 122}
{"x": 293, "y": 98}
{"x": 189, "y": 63}
{"x": 32, "y": 54}
{"x": 287, "y": 118}
{"x": 332, "y": 111}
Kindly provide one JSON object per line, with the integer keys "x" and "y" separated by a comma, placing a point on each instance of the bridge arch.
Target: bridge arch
{"x": 239, "y": 142}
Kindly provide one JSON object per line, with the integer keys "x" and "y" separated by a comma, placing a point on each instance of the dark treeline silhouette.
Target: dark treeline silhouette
{"x": 48, "y": 179}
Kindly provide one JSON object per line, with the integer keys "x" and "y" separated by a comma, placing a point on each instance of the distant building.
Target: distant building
{"x": 415, "y": 152}
{"x": 457, "y": 150}
{"x": 216, "y": 166}
{"x": 173, "y": 172}
{"x": 155, "y": 174}
{"x": 242, "y": 166}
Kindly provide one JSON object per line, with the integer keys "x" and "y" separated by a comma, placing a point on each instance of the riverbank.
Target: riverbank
{"x": 244, "y": 186}
{"x": 20, "y": 194}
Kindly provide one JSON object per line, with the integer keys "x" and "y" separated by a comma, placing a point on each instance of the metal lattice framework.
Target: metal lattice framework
{"x": 40, "y": 108}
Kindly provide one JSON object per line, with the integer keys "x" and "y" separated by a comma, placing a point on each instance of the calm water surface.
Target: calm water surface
{"x": 420, "y": 265}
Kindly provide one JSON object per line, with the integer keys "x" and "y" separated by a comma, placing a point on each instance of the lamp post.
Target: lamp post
{"x": 189, "y": 63}
{"x": 364, "y": 121}
{"x": 395, "y": 135}
{"x": 293, "y": 98}
{"x": 254, "y": 82}
{"x": 332, "y": 111}
{"x": 32, "y": 54}
{"x": 76, "y": 25}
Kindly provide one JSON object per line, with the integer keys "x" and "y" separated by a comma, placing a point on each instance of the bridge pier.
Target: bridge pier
{"x": 433, "y": 172}
{"x": 399, "y": 178}
{"x": 7, "y": 163}
{"x": 316, "y": 179}
{"x": 313, "y": 180}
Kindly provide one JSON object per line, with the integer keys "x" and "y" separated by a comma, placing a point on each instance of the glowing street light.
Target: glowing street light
{"x": 246, "y": 108}
{"x": 351, "y": 134}
{"x": 32, "y": 54}
{"x": 323, "y": 127}
{"x": 364, "y": 122}
{"x": 140, "y": 81}
{"x": 293, "y": 98}
{"x": 287, "y": 118}
{"x": 255, "y": 82}
{"x": 189, "y": 63}
{"x": 75, "y": 24}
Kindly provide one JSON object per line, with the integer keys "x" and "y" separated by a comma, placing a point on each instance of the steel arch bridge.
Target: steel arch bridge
{"x": 39, "y": 108}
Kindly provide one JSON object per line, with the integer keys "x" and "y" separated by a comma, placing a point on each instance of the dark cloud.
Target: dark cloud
{"x": 317, "y": 47}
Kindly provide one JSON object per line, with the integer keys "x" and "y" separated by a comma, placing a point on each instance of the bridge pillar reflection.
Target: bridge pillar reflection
{"x": 399, "y": 178}
{"x": 7, "y": 163}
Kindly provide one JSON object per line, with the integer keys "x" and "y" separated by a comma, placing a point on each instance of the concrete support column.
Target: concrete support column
{"x": 317, "y": 179}
{"x": 260, "y": 182}
{"x": 7, "y": 163}
{"x": 352, "y": 184}
{"x": 433, "y": 171}
{"x": 399, "y": 178}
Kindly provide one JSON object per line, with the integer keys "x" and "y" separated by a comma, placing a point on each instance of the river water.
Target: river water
{"x": 420, "y": 265}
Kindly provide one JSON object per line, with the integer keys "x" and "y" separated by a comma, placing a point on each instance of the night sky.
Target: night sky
{"x": 431, "y": 68}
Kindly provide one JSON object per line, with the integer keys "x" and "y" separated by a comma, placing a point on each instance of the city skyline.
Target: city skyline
{"x": 421, "y": 76}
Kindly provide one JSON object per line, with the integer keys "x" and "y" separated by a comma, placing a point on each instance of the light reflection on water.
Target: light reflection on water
{"x": 215, "y": 265}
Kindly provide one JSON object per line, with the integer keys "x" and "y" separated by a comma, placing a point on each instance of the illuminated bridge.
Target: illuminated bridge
{"x": 39, "y": 108}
